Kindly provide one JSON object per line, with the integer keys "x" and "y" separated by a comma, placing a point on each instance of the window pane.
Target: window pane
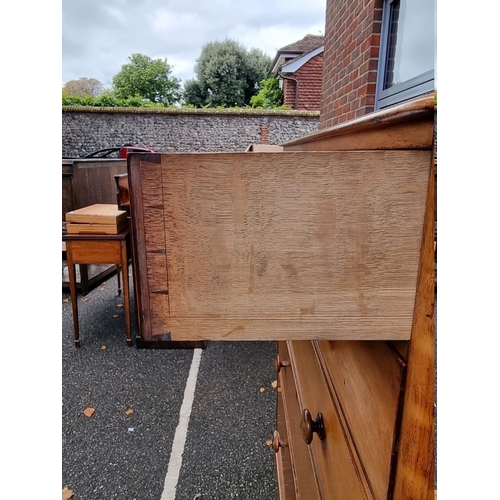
{"x": 411, "y": 40}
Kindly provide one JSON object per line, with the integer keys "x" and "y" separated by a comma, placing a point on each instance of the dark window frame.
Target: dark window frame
{"x": 408, "y": 89}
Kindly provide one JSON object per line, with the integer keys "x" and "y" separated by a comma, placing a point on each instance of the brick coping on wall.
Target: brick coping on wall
{"x": 190, "y": 111}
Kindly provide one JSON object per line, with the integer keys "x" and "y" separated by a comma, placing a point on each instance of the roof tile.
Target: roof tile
{"x": 308, "y": 43}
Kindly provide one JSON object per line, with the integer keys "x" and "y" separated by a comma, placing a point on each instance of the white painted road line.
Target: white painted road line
{"x": 175, "y": 462}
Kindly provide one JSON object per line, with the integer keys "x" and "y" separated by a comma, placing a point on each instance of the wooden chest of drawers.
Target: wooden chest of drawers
{"x": 357, "y": 389}
{"x": 327, "y": 248}
{"x": 376, "y": 398}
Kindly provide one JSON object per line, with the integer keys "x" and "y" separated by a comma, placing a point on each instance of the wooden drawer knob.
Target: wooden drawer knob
{"x": 277, "y": 443}
{"x": 310, "y": 426}
{"x": 279, "y": 364}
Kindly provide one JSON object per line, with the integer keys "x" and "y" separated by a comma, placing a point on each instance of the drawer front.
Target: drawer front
{"x": 94, "y": 252}
{"x": 368, "y": 379}
{"x": 338, "y": 469}
{"x": 304, "y": 477}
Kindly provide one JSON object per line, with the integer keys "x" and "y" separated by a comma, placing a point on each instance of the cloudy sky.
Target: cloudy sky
{"x": 98, "y": 36}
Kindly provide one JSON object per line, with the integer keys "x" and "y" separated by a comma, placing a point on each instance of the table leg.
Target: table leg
{"x": 126, "y": 296}
{"x": 118, "y": 270}
{"x": 72, "y": 289}
{"x": 84, "y": 279}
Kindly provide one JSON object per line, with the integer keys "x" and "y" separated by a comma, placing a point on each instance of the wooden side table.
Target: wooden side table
{"x": 98, "y": 249}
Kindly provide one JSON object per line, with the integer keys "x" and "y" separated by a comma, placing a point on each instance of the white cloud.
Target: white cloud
{"x": 98, "y": 36}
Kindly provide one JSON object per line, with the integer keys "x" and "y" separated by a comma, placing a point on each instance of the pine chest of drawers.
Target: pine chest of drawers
{"x": 327, "y": 248}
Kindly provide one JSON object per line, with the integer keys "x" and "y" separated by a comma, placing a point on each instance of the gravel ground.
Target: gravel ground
{"x": 118, "y": 455}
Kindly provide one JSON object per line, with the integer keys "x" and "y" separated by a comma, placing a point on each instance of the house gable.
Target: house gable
{"x": 303, "y": 88}
{"x": 295, "y": 49}
{"x": 295, "y": 64}
{"x": 299, "y": 66}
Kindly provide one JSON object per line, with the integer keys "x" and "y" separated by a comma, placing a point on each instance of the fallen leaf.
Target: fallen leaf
{"x": 119, "y": 305}
{"x": 269, "y": 442}
{"x": 103, "y": 284}
{"x": 274, "y": 383}
{"x": 115, "y": 316}
{"x": 103, "y": 347}
{"x": 66, "y": 493}
{"x": 89, "y": 412}
{"x": 65, "y": 300}
{"x": 86, "y": 299}
{"x": 262, "y": 389}
{"x": 102, "y": 288}
{"x": 198, "y": 495}
{"x": 129, "y": 411}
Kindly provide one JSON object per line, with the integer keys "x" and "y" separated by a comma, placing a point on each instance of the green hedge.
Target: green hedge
{"x": 109, "y": 101}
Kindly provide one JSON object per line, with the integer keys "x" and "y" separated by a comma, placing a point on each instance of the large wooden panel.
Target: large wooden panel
{"x": 368, "y": 379}
{"x": 94, "y": 180}
{"x": 268, "y": 246}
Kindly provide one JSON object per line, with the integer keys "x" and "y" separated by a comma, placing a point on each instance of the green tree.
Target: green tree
{"x": 226, "y": 75}
{"x": 83, "y": 87}
{"x": 147, "y": 78}
{"x": 270, "y": 95}
{"x": 258, "y": 70}
{"x": 193, "y": 93}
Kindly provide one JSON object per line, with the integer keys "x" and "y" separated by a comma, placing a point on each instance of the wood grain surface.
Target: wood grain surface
{"x": 412, "y": 135}
{"x": 98, "y": 213}
{"x": 407, "y": 125}
{"x": 79, "y": 228}
{"x": 94, "y": 180}
{"x": 415, "y": 465}
{"x": 267, "y": 246}
{"x": 368, "y": 379}
{"x": 337, "y": 465}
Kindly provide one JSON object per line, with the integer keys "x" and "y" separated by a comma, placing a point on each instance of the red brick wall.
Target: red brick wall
{"x": 310, "y": 77}
{"x": 289, "y": 93}
{"x": 352, "y": 42}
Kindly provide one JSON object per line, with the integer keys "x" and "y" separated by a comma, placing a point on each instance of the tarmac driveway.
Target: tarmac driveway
{"x": 220, "y": 449}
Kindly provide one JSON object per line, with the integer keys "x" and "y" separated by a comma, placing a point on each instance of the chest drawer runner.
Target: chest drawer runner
{"x": 321, "y": 451}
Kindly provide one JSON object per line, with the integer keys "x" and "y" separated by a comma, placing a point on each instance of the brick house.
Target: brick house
{"x": 377, "y": 53}
{"x": 299, "y": 67}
